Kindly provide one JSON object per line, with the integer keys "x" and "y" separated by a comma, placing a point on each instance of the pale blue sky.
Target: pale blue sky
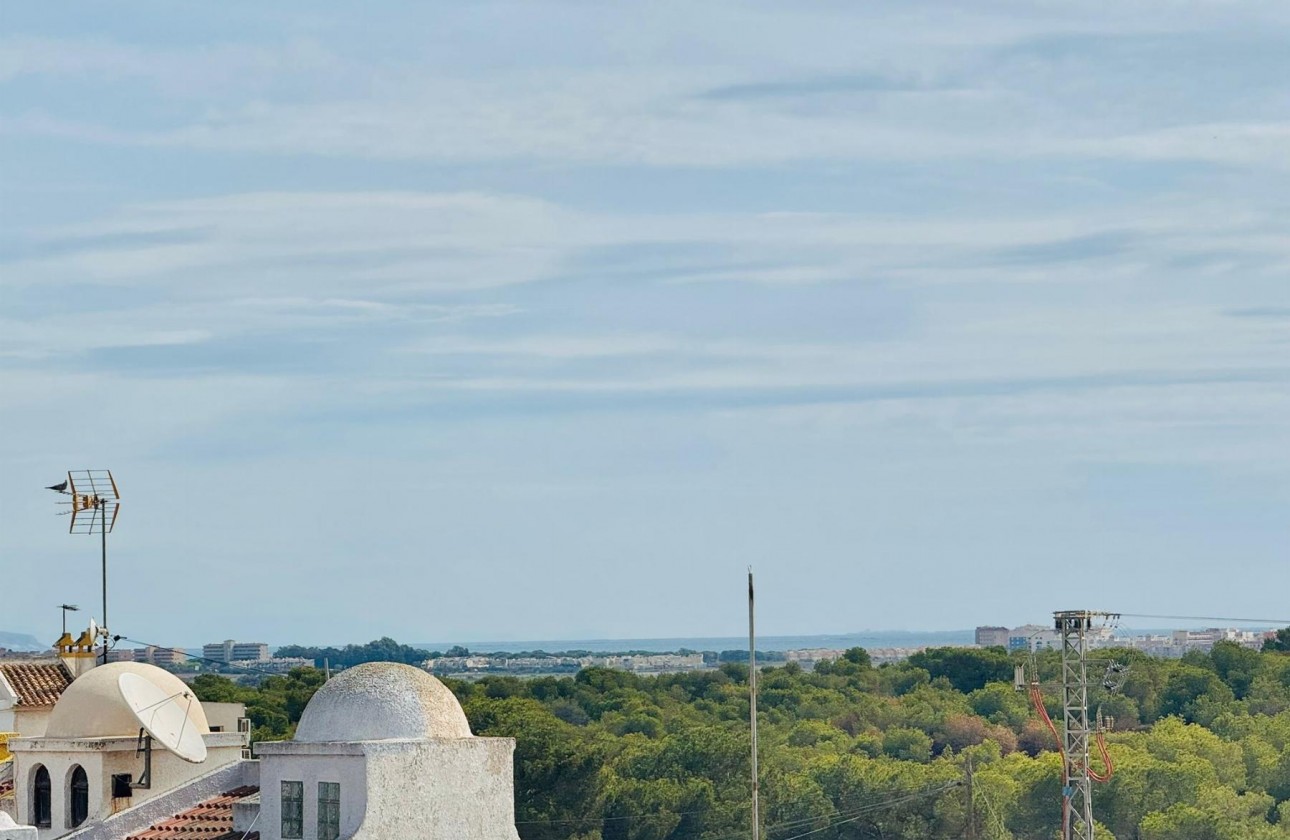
{"x": 544, "y": 320}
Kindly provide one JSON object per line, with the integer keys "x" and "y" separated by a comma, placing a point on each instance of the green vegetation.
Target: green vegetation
{"x": 1201, "y": 748}
{"x": 384, "y": 649}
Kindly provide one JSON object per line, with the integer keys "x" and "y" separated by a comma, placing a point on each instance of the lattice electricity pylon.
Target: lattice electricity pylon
{"x": 1077, "y": 788}
{"x": 95, "y": 501}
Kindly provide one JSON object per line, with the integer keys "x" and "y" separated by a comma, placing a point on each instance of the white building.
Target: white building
{"x": 375, "y": 739}
{"x": 382, "y": 751}
{"x": 86, "y": 767}
{"x": 992, "y": 636}
{"x": 231, "y": 651}
{"x": 1034, "y": 637}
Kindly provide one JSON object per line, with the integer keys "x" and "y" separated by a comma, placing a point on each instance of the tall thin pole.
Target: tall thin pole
{"x": 971, "y": 801}
{"x": 1077, "y": 794}
{"x": 752, "y": 704}
{"x": 103, "y": 529}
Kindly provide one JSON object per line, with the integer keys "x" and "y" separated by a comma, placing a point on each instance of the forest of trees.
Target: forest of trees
{"x": 383, "y": 649}
{"x": 1201, "y": 748}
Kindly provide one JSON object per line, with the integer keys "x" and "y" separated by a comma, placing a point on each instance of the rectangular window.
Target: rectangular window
{"x": 328, "y": 810}
{"x": 293, "y": 810}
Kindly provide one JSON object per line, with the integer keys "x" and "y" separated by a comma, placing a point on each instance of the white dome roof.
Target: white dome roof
{"x": 92, "y": 706}
{"x": 377, "y": 701}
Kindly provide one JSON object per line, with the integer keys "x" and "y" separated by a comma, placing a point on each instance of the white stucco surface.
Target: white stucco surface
{"x": 100, "y": 758}
{"x": 464, "y": 789}
{"x": 92, "y": 706}
{"x": 382, "y": 700}
{"x": 141, "y": 815}
{"x": 425, "y": 789}
{"x": 10, "y": 830}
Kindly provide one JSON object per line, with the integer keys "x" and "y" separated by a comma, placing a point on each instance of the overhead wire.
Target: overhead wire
{"x": 875, "y": 807}
{"x": 1285, "y": 621}
{"x": 188, "y": 655}
{"x": 849, "y": 810}
{"x": 998, "y": 820}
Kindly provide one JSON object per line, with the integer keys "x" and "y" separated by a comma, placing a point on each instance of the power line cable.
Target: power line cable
{"x": 852, "y": 807}
{"x": 875, "y": 807}
{"x": 246, "y": 668}
{"x": 1285, "y": 621}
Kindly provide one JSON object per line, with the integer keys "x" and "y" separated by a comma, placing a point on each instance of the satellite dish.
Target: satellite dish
{"x": 164, "y": 717}
{"x": 94, "y": 628}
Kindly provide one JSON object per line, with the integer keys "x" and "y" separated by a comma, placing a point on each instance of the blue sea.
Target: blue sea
{"x": 869, "y": 639}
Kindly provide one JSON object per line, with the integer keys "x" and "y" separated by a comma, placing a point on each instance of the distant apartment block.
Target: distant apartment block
{"x": 231, "y": 651}
{"x": 1033, "y": 637}
{"x": 281, "y": 665}
{"x": 992, "y": 636}
{"x": 161, "y": 656}
{"x": 807, "y": 657}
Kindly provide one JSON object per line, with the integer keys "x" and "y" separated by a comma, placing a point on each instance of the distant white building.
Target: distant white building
{"x": 161, "y": 656}
{"x": 1034, "y": 637}
{"x": 992, "y": 636}
{"x": 231, "y": 651}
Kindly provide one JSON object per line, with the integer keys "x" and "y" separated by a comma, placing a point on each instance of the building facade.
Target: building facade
{"x": 231, "y": 651}
{"x": 992, "y": 636}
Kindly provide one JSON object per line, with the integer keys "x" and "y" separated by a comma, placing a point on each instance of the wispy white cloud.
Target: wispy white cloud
{"x": 775, "y": 280}
{"x": 996, "y": 82}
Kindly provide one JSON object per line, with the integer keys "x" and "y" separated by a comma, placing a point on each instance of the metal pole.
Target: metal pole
{"x": 1077, "y": 795}
{"x": 752, "y": 704}
{"x": 103, "y": 526}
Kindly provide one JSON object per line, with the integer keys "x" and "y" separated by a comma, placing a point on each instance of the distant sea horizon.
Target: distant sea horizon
{"x": 868, "y": 639}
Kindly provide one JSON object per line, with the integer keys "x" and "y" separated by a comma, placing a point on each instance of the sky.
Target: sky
{"x": 547, "y": 320}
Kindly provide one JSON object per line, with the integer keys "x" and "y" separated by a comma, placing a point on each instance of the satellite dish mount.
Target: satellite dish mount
{"x": 144, "y": 746}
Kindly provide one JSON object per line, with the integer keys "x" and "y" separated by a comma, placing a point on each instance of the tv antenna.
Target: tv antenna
{"x": 66, "y": 608}
{"x": 164, "y": 718}
{"x": 95, "y": 503}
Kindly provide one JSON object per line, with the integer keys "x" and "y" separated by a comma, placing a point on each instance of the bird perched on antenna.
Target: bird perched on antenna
{"x": 59, "y": 488}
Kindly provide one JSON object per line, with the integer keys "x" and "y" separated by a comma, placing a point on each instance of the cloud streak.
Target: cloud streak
{"x": 886, "y": 293}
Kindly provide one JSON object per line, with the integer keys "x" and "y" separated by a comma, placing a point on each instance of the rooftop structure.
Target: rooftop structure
{"x": 211, "y": 820}
{"x": 28, "y": 691}
{"x": 92, "y": 760}
{"x": 382, "y": 751}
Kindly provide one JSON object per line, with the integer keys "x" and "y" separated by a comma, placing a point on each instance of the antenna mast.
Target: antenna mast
{"x": 752, "y": 705}
{"x": 95, "y": 503}
{"x": 1077, "y": 793}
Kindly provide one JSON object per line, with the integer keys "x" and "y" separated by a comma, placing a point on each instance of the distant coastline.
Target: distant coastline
{"x": 869, "y": 640}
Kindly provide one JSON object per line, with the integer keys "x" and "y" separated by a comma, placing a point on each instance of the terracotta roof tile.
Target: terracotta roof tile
{"x": 36, "y": 683}
{"x": 211, "y": 820}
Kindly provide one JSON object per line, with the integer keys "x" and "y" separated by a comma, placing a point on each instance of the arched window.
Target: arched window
{"x": 40, "y": 801}
{"x": 80, "y": 796}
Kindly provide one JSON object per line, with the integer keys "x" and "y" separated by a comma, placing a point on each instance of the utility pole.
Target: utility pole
{"x": 752, "y": 714}
{"x": 1077, "y": 788}
{"x": 103, "y": 532}
{"x": 971, "y": 801}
